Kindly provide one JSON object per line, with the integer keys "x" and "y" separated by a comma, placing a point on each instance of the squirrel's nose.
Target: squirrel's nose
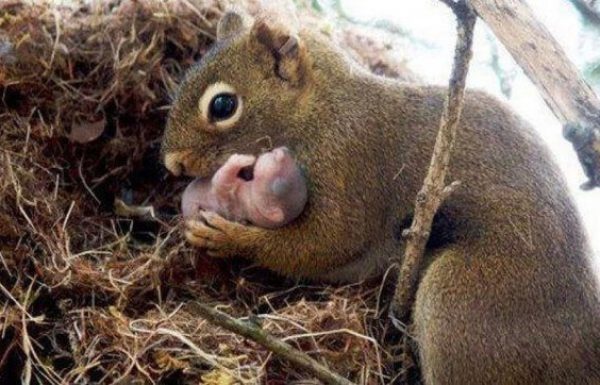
{"x": 183, "y": 162}
{"x": 174, "y": 163}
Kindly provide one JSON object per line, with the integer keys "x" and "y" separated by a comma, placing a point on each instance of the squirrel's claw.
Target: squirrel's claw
{"x": 198, "y": 234}
{"x": 215, "y": 234}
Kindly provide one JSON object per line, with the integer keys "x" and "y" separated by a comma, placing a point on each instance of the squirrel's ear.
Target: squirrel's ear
{"x": 285, "y": 46}
{"x": 230, "y": 24}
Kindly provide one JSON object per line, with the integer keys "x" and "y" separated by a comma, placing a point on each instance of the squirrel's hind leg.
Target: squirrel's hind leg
{"x": 484, "y": 319}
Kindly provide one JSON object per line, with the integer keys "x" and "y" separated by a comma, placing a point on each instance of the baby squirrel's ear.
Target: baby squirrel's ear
{"x": 285, "y": 46}
{"x": 230, "y": 24}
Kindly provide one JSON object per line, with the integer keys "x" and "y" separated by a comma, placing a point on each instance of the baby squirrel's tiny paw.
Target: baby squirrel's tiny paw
{"x": 219, "y": 236}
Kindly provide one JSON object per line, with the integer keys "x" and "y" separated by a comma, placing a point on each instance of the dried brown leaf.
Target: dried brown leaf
{"x": 86, "y": 132}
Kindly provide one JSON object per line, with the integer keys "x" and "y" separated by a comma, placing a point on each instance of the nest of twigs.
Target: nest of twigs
{"x": 95, "y": 278}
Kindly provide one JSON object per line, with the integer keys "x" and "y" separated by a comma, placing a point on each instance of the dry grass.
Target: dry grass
{"x": 90, "y": 295}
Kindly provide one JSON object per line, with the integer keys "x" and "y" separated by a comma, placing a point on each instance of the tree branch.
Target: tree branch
{"x": 587, "y": 11}
{"x": 543, "y": 60}
{"x": 258, "y": 335}
{"x": 434, "y": 189}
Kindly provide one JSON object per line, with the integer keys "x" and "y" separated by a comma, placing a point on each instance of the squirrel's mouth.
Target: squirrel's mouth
{"x": 188, "y": 163}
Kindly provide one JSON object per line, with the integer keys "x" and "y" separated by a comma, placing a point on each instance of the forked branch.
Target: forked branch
{"x": 435, "y": 190}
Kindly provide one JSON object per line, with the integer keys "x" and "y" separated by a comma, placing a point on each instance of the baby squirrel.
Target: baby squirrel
{"x": 272, "y": 196}
{"x": 508, "y": 295}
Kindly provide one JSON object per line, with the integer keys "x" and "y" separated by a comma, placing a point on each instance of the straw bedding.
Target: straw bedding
{"x": 95, "y": 277}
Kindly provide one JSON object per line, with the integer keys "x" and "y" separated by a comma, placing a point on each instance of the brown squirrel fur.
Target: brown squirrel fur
{"x": 508, "y": 295}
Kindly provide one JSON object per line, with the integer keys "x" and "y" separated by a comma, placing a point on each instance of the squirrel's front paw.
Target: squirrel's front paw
{"x": 220, "y": 237}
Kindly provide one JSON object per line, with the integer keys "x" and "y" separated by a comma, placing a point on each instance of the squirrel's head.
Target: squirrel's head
{"x": 242, "y": 96}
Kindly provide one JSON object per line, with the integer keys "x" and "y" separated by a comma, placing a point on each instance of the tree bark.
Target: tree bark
{"x": 542, "y": 59}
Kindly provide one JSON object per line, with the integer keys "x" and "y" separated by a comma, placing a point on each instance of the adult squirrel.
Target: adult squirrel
{"x": 508, "y": 295}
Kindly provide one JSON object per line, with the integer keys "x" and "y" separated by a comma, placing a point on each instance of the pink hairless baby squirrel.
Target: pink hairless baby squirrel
{"x": 274, "y": 195}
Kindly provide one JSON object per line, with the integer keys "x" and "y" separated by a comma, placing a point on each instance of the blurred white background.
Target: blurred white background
{"x": 426, "y": 39}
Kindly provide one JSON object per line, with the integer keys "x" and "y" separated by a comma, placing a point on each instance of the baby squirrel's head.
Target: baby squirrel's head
{"x": 242, "y": 96}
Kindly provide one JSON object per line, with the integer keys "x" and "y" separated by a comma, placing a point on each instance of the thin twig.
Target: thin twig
{"x": 434, "y": 190}
{"x": 258, "y": 335}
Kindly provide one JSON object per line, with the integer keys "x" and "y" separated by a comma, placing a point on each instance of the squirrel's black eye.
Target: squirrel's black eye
{"x": 222, "y": 106}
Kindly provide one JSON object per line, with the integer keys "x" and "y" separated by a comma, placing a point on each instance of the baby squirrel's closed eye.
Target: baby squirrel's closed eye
{"x": 280, "y": 186}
